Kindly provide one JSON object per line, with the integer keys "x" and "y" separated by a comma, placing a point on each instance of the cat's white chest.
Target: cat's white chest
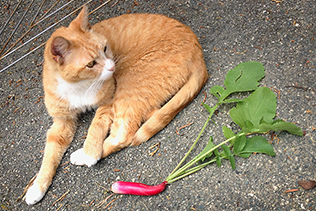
{"x": 80, "y": 95}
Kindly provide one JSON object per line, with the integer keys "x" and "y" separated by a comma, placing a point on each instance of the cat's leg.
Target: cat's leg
{"x": 59, "y": 137}
{"x": 93, "y": 146}
{"x": 122, "y": 133}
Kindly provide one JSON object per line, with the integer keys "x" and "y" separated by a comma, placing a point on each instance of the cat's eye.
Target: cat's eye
{"x": 104, "y": 49}
{"x": 91, "y": 64}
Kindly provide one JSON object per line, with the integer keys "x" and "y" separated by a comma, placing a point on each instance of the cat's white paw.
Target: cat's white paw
{"x": 80, "y": 158}
{"x": 34, "y": 194}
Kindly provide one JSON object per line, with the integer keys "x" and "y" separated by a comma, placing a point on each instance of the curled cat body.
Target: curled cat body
{"x": 137, "y": 70}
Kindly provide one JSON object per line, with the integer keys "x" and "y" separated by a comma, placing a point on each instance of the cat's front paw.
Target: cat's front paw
{"x": 80, "y": 158}
{"x": 34, "y": 194}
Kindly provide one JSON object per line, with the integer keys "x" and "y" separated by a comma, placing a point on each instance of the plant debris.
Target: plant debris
{"x": 156, "y": 150}
{"x": 26, "y": 188}
{"x": 307, "y": 185}
{"x": 291, "y": 190}
{"x": 61, "y": 198}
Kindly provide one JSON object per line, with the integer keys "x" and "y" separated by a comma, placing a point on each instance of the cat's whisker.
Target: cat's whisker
{"x": 91, "y": 87}
{"x": 115, "y": 59}
{"x": 95, "y": 85}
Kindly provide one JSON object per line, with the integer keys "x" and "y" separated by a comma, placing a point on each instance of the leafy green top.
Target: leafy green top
{"x": 254, "y": 115}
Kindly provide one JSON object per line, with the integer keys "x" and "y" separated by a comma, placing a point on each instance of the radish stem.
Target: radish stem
{"x": 178, "y": 174}
{"x": 197, "y": 139}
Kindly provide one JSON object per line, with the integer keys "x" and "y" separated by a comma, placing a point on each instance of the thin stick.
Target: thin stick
{"x": 16, "y": 27}
{"x": 110, "y": 203}
{"x": 61, "y": 198}
{"x": 158, "y": 144}
{"x": 27, "y": 187}
{"x": 103, "y": 201}
{"x": 59, "y": 207}
{"x": 184, "y": 126}
{"x": 99, "y": 6}
{"x": 115, "y": 3}
{"x": 40, "y": 7}
{"x": 310, "y": 134}
{"x": 106, "y": 190}
{"x": 44, "y": 15}
{"x": 41, "y": 34}
{"x": 7, "y": 53}
{"x": 156, "y": 150}
{"x": 144, "y": 205}
{"x": 204, "y": 97}
{"x": 292, "y": 190}
{"x": 10, "y": 17}
{"x": 91, "y": 203}
{"x": 22, "y": 57}
{"x": 65, "y": 163}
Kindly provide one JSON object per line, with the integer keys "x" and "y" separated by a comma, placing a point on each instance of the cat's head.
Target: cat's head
{"x": 78, "y": 53}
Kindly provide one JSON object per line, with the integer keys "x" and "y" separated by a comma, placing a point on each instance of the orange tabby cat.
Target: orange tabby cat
{"x": 139, "y": 70}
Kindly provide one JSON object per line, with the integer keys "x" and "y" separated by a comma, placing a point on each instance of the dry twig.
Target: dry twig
{"x": 53, "y": 25}
{"x": 16, "y": 27}
{"x": 292, "y": 190}
{"x": 110, "y": 203}
{"x": 102, "y": 202}
{"x": 156, "y": 150}
{"x": 10, "y": 16}
{"x": 27, "y": 187}
{"x": 205, "y": 96}
{"x": 61, "y": 198}
{"x": 184, "y": 126}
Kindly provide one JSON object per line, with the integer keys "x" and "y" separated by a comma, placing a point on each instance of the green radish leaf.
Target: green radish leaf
{"x": 230, "y": 156}
{"x": 239, "y": 145}
{"x": 208, "y": 147}
{"x": 209, "y": 108}
{"x": 218, "y": 158}
{"x": 281, "y": 125}
{"x": 256, "y": 144}
{"x": 228, "y": 133}
{"x": 249, "y": 125}
{"x": 232, "y": 162}
{"x": 260, "y": 105}
{"x": 244, "y": 77}
{"x": 244, "y": 154}
{"x": 231, "y": 100}
{"x": 216, "y": 91}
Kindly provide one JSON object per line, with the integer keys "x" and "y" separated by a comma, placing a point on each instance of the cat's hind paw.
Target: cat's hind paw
{"x": 80, "y": 158}
{"x": 34, "y": 195}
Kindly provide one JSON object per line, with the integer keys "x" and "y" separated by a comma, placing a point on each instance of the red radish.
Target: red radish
{"x": 135, "y": 188}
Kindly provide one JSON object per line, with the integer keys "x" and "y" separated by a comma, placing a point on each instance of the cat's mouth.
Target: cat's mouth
{"x": 109, "y": 65}
{"x": 108, "y": 69}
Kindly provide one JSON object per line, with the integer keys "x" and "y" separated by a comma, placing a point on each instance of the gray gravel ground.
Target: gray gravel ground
{"x": 280, "y": 35}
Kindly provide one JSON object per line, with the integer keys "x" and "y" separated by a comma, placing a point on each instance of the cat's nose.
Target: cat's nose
{"x": 112, "y": 68}
{"x": 110, "y": 65}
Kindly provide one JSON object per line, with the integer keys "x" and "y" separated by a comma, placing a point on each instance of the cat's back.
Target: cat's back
{"x": 130, "y": 30}
{"x": 141, "y": 24}
{"x": 143, "y": 21}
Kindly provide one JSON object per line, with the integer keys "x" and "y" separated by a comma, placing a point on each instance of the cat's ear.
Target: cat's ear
{"x": 81, "y": 22}
{"x": 60, "y": 48}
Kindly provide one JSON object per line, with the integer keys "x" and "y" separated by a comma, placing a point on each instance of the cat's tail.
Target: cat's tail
{"x": 165, "y": 114}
